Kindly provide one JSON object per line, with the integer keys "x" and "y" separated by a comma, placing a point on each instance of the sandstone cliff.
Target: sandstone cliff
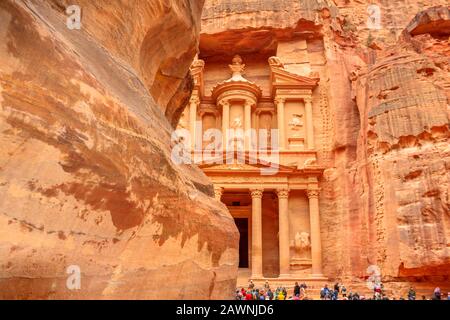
{"x": 383, "y": 123}
{"x": 403, "y": 101}
{"x": 86, "y": 177}
{"x": 86, "y": 115}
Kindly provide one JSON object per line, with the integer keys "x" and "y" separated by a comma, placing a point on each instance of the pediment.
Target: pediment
{"x": 244, "y": 164}
{"x": 282, "y": 77}
{"x": 232, "y": 166}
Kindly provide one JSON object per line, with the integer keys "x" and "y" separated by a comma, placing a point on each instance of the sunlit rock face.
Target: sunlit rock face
{"x": 86, "y": 177}
{"x": 404, "y": 140}
{"x": 382, "y": 123}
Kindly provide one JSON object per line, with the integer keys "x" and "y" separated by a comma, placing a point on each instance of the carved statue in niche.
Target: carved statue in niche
{"x": 296, "y": 124}
{"x": 237, "y": 123}
{"x": 301, "y": 242}
{"x": 237, "y": 68}
{"x": 238, "y": 139}
{"x": 269, "y": 134}
{"x": 301, "y": 246}
{"x": 208, "y": 122}
{"x": 265, "y": 121}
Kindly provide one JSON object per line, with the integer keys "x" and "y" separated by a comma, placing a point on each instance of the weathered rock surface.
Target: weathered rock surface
{"x": 404, "y": 140}
{"x": 383, "y": 123}
{"x": 86, "y": 177}
{"x": 86, "y": 115}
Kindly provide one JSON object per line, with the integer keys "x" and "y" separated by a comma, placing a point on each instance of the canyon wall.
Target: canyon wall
{"x": 86, "y": 178}
{"x": 382, "y": 122}
{"x": 87, "y": 183}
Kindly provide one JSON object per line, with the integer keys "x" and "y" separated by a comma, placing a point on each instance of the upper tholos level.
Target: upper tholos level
{"x": 262, "y": 107}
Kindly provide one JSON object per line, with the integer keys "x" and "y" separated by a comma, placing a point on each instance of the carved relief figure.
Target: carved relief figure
{"x": 301, "y": 243}
{"x": 265, "y": 130}
{"x": 269, "y": 134}
{"x": 237, "y": 68}
{"x": 310, "y": 162}
{"x": 296, "y": 124}
{"x": 237, "y": 123}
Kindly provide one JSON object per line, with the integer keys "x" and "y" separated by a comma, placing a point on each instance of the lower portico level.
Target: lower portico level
{"x": 264, "y": 162}
{"x": 281, "y": 215}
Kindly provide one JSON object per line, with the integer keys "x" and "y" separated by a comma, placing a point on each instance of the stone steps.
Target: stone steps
{"x": 314, "y": 288}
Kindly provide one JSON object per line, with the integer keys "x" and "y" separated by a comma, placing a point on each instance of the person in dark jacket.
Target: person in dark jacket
{"x": 411, "y": 294}
{"x": 270, "y": 294}
{"x": 325, "y": 293}
{"x": 336, "y": 291}
{"x": 296, "y": 289}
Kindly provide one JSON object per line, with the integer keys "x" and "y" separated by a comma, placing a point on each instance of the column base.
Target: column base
{"x": 256, "y": 277}
{"x": 318, "y": 276}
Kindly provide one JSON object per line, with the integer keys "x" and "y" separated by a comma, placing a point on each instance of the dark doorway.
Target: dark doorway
{"x": 242, "y": 225}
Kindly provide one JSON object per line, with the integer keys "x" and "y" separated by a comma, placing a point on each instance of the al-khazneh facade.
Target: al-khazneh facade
{"x": 277, "y": 213}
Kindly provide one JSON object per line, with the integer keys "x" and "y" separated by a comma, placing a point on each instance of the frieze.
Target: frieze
{"x": 267, "y": 180}
{"x": 296, "y": 92}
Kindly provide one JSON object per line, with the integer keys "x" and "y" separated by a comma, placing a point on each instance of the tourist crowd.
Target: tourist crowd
{"x": 336, "y": 292}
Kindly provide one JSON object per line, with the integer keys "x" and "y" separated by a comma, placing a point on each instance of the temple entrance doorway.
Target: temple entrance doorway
{"x": 239, "y": 203}
{"x": 242, "y": 225}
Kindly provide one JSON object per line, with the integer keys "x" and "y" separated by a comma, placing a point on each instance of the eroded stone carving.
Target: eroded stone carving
{"x": 301, "y": 242}
{"x": 237, "y": 68}
{"x": 237, "y": 123}
{"x": 296, "y": 123}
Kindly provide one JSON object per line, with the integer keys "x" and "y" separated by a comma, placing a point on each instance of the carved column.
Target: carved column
{"x": 225, "y": 122}
{"x": 218, "y": 192}
{"x": 256, "y": 233}
{"x": 256, "y": 145}
{"x": 247, "y": 123}
{"x": 309, "y": 123}
{"x": 281, "y": 130}
{"x": 283, "y": 231}
{"x": 316, "y": 242}
{"x": 194, "y": 102}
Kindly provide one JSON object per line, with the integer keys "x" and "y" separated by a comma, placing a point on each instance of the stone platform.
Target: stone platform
{"x": 392, "y": 289}
{"x": 314, "y": 283}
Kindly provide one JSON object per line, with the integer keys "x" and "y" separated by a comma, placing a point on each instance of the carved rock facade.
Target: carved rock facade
{"x": 381, "y": 124}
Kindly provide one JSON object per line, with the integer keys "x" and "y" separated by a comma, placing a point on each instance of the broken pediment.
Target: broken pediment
{"x": 283, "y": 79}
{"x": 242, "y": 163}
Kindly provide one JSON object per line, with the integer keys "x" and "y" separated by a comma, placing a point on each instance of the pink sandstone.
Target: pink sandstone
{"x": 86, "y": 177}
{"x": 86, "y": 117}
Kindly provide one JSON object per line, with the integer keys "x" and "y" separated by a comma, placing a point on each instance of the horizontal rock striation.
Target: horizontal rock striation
{"x": 383, "y": 123}
{"x": 86, "y": 176}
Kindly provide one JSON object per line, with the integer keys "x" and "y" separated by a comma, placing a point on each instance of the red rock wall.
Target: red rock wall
{"x": 403, "y": 102}
{"x": 382, "y": 125}
{"x": 86, "y": 177}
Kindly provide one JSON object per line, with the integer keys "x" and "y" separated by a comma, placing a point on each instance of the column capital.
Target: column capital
{"x": 249, "y": 103}
{"x": 279, "y": 100}
{"x": 194, "y": 99}
{"x": 283, "y": 193}
{"x": 313, "y": 192}
{"x": 218, "y": 192}
{"x": 308, "y": 99}
{"x": 224, "y": 103}
{"x": 256, "y": 193}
